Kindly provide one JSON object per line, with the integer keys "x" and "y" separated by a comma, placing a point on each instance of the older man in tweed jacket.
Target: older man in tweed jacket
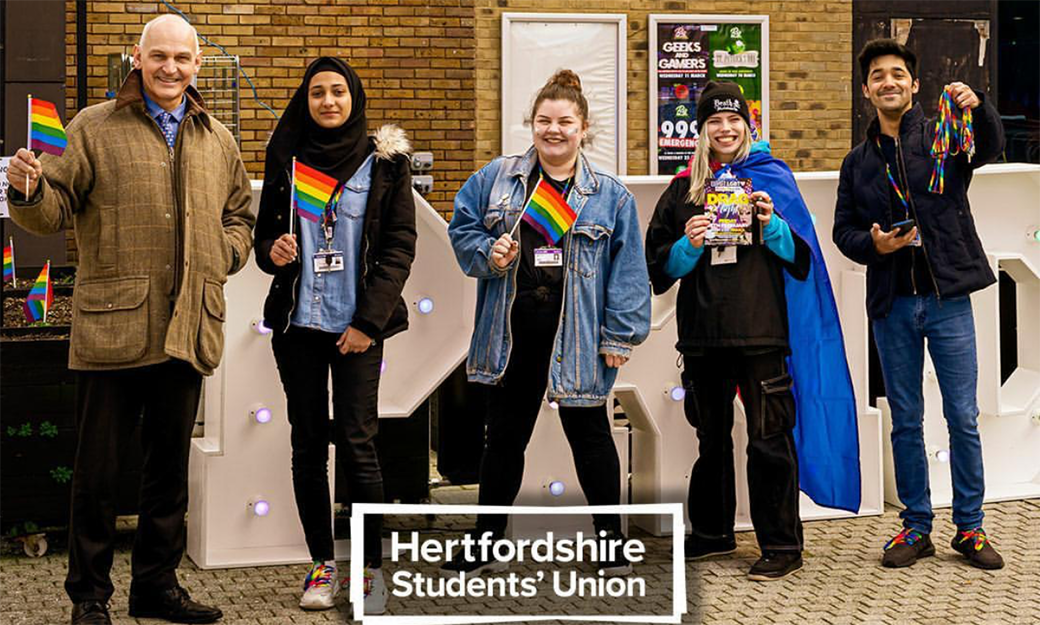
{"x": 156, "y": 192}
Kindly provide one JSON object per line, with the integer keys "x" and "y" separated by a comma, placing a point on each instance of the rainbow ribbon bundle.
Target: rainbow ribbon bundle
{"x": 952, "y": 136}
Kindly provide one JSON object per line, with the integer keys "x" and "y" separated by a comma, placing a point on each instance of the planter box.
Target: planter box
{"x": 38, "y": 435}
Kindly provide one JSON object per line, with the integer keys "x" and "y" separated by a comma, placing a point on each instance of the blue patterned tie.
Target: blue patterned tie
{"x": 168, "y": 129}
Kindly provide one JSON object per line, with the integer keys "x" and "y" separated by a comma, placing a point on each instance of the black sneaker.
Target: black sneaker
{"x": 619, "y": 565}
{"x": 458, "y": 563}
{"x": 975, "y": 546}
{"x": 906, "y": 548}
{"x": 698, "y": 548}
{"x": 774, "y": 565}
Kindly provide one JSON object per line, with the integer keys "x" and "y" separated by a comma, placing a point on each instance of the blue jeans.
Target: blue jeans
{"x": 950, "y": 329}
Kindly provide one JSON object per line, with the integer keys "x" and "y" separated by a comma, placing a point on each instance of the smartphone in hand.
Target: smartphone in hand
{"x": 902, "y": 227}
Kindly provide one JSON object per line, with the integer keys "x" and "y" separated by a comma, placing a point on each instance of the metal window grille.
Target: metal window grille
{"x": 217, "y": 81}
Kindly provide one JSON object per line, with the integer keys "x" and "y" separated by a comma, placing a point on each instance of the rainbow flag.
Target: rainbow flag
{"x": 548, "y": 212}
{"x": 41, "y": 296}
{"x": 312, "y": 191}
{"x": 45, "y": 130}
{"x": 9, "y": 262}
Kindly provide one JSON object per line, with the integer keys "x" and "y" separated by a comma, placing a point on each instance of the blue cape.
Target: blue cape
{"x": 826, "y": 433}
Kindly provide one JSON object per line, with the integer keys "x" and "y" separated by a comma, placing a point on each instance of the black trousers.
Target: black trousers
{"x": 711, "y": 379}
{"x": 304, "y": 359}
{"x": 164, "y": 399}
{"x": 513, "y": 408}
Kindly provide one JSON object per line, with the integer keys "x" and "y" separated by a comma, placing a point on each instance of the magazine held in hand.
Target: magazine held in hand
{"x": 728, "y": 202}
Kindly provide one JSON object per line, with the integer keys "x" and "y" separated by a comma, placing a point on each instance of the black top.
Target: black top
{"x": 529, "y": 277}
{"x": 742, "y": 304}
{"x": 952, "y": 247}
{"x": 910, "y": 267}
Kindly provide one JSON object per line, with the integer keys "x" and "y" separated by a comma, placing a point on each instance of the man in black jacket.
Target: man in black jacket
{"x": 919, "y": 277}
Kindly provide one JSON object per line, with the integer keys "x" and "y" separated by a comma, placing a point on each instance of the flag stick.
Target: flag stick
{"x": 46, "y": 290}
{"x": 28, "y": 141}
{"x": 292, "y": 196}
{"x": 14, "y": 270}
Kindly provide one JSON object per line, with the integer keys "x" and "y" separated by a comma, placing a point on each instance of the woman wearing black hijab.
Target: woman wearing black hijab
{"x": 334, "y": 299}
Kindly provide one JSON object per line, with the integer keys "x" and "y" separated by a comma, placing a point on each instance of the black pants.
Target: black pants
{"x": 304, "y": 358}
{"x": 711, "y": 379}
{"x": 513, "y": 410}
{"x": 164, "y": 399}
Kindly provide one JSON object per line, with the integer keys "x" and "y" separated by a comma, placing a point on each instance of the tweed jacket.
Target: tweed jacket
{"x": 157, "y": 230}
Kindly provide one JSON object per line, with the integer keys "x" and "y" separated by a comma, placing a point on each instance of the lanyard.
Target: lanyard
{"x": 328, "y": 217}
{"x": 892, "y": 180}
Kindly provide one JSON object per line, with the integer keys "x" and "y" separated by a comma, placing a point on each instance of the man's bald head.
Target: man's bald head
{"x": 170, "y": 25}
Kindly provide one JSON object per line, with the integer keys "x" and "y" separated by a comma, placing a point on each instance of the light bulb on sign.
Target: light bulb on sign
{"x": 677, "y": 393}
{"x": 260, "y": 413}
{"x": 259, "y": 327}
{"x": 382, "y": 367}
{"x": 425, "y": 305}
{"x": 942, "y": 455}
{"x": 556, "y": 488}
{"x": 554, "y": 405}
{"x": 259, "y": 507}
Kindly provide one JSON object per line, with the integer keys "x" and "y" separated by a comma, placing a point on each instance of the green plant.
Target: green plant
{"x": 21, "y": 530}
{"x": 48, "y": 430}
{"x": 24, "y": 430}
{"x": 61, "y": 474}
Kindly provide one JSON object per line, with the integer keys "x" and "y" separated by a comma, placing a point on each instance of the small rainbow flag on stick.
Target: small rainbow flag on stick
{"x": 41, "y": 296}
{"x": 548, "y": 212}
{"x": 312, "y": 191}
{"x": 9, "y": 263}
{"x": 45, "y": 130}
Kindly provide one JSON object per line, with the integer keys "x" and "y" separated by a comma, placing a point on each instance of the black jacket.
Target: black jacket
{"x": 387, "y": 245}
{"x": 743, "y": 304}
{"x": 951, "y": 246}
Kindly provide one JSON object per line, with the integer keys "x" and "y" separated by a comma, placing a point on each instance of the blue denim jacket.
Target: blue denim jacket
{"x": 606, "y": 306}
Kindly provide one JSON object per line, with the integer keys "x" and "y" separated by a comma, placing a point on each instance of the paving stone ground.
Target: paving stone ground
{"x": 842, "y": 582}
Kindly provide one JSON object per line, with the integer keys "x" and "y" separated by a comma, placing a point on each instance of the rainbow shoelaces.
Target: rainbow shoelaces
{"x": 952, "y": 136}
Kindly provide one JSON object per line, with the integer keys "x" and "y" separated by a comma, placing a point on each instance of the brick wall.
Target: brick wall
{"x": 415, "y": 57}
{"x": 809, "y": 76}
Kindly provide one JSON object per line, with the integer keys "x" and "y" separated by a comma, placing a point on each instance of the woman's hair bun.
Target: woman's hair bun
{"x": 566, "y": 78}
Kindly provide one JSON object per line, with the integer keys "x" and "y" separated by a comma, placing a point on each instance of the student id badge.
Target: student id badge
{"x": 548, "y": 257}
{"x": 327, "y": 261}
{"x": 724, "y": 255}
{"x": 917, "y": 239}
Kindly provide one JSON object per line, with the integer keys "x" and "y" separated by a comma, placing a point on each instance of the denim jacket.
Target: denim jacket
{"x": 606, "y": 307}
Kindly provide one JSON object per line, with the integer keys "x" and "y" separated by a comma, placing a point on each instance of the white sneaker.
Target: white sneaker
{"x": 375, "y": 592}
{"x": 320, "y": 587}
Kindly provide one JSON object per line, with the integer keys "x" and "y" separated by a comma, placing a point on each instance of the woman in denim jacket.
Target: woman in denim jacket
{"x": 559, "y": 314}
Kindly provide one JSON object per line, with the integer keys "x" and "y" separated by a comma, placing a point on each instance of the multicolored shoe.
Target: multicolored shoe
{"x": 320, "y": 587}
{"x": 975, "y": 546}
{"x": 375, "y": 591}
{"x": 906, "y": 548}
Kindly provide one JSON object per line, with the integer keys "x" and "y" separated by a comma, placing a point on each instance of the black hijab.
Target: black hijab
{"x": 337, "y": 152}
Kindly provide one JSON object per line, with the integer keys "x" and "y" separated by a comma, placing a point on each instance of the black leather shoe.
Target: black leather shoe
{"x": 90, "y": 613}
{"x": 172, "y": 604}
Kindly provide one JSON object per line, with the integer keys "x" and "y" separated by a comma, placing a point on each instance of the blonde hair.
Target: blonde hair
{"x": 700, "y": 167}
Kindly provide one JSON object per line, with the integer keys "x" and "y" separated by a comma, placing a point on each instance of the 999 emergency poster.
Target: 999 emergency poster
{"x": 686, "y": 51}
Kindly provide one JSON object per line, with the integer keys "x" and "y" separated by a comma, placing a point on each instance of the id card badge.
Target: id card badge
{"x": 724, "y": 255}
{"x": 548, "y": 257}
{"x": 328, "y": 261}
{"x": 917, "y": 239}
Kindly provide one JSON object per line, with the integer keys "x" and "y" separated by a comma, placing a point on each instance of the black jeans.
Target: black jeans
{"x": 304, "y": 358}
{"x": 711, "y": 379}
{"x": 164, "y": 399}
{"x": 513, "y": 408}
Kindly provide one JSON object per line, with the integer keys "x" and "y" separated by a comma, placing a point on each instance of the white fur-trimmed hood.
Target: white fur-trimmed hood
{"x": 390, "y": 141}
